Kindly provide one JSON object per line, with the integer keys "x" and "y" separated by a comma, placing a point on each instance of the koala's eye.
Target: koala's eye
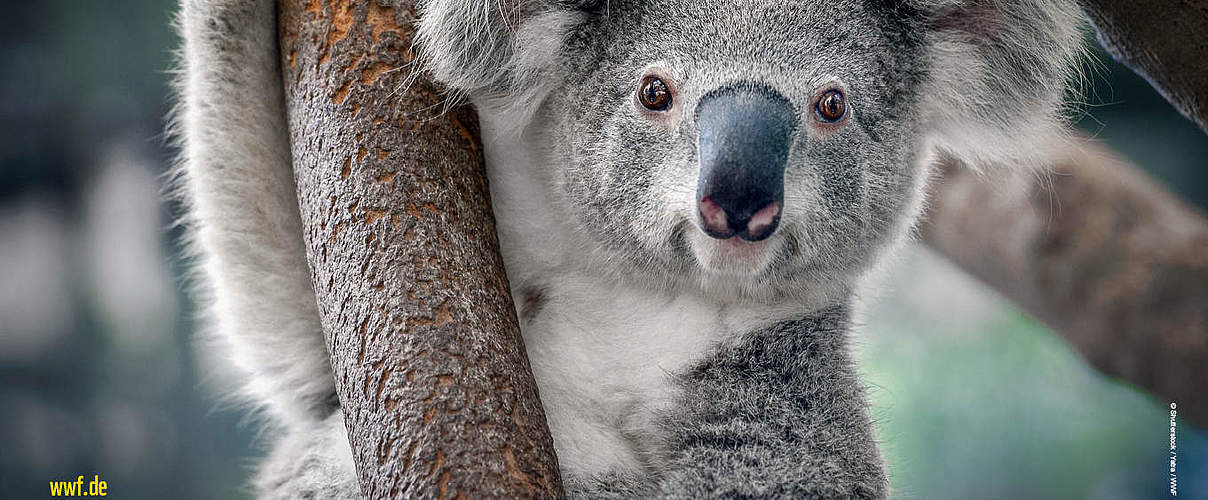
{"x": 654, "y": 94}
{"x": 831, "y": 106}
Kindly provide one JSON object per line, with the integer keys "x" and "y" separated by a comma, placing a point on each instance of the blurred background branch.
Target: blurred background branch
{"x": 1110, "y": 260}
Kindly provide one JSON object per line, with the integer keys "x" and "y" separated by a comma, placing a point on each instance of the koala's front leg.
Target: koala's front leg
{"x": 782, "y": 415}
{"x": 311, "y": 462}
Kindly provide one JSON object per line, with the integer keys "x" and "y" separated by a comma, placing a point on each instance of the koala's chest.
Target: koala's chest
{"x": 605, "y": 358}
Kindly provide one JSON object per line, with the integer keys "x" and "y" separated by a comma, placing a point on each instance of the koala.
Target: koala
{"x": 689, "y": 194}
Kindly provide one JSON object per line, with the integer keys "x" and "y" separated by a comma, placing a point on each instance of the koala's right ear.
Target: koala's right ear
{"x": 999, "y": 73}
{"x": 495, "y": 48}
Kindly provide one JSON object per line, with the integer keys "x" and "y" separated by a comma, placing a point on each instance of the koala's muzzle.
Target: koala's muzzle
{"x": 745, "y": 135}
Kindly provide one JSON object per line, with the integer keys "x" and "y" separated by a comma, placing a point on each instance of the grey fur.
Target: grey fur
{"x": 245, "y": 232}
{"x": 779, "y": 416}
{"x": 767, "y": 411}
{"x": 312, "y": 463}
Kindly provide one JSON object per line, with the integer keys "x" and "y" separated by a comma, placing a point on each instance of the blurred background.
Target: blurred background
{"x": 99, "y": 375}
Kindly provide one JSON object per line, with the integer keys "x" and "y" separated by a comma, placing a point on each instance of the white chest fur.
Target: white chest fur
{"x": 603, "y": 357}
{"x": 604, "y": 353}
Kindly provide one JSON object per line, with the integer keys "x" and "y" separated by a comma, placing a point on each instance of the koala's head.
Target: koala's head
{"x": 759, "y": 147}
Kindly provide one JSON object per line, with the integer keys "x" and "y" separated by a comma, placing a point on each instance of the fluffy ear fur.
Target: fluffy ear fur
{"x": 495, "y": 49}
{"x": 999, "y": 73}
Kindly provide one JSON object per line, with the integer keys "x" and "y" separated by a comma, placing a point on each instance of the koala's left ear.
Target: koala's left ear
{"x": 999, "y": 73}
{"x": 494, "y": 48}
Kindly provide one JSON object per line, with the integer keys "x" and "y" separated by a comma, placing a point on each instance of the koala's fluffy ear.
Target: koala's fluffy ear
{"x": 999, "y": 73}
{"x": 494, "y": 48}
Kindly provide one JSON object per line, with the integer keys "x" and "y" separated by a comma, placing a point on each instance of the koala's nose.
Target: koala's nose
{"x": 745, "y": 135}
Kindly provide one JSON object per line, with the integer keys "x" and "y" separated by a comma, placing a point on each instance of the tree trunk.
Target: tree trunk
{"x": 1109, "y": 259}
{"x": 438, "y": 396}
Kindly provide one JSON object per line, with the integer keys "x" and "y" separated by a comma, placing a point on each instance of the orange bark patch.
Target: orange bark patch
{"x": 341, "y": 94}
{"x": 370, "y": 75}
{"x": 313, "y": 7}
{"x": 443, "y": 480}
{"x": 373, "y": 214}
{"x": 380, "y": 20}
{"x": 381, "y": 385}
{"x": 342, "y": 19}
{"x": 443, "y": 316}
{"x": 464, "y": 132}
{"x": 413, "y": 211}
{"x": 356, "y": 62}
{"x": 440, "y": 461}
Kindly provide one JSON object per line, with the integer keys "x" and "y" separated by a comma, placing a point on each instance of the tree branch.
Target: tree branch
{"x": 1112, "y": 261}
{"x": 438, "y": 396}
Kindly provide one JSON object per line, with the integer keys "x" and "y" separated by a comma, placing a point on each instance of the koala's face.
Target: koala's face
{"x": 753, "y": 147}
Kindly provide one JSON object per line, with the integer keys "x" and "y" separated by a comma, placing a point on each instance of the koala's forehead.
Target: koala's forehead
{"x": 796, "y": 34}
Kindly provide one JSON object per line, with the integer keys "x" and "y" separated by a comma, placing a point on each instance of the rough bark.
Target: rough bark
{"x": 1109, "y": 259}
{"x": 437, "y": 392}
{"x": 1165, "y": 41}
